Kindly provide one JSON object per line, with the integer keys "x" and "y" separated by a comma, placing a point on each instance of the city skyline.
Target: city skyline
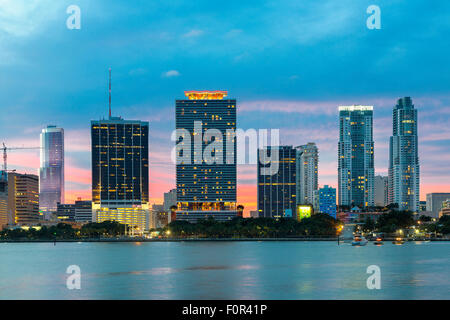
{"x": 360, "y": 66}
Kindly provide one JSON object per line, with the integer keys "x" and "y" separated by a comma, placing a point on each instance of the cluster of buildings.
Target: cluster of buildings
{"x": 206, "y": 171}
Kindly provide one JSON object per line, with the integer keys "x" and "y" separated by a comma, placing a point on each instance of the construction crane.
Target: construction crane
{"x": 5, "y": 155}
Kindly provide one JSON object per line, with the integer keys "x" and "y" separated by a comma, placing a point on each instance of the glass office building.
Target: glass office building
{"x": 206, "y": 156}
{"x": 404, "y": 170}
{"x": 120, "y": 172}
{"x": 277, "y": 192}
{"x": 356, "y": 156}
{"x": 51, "y": 172}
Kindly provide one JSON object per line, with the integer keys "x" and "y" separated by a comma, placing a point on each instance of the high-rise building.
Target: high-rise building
{"x": 445, "y": 209}
{"x": 307, "y": 172}
{"x": 170, "y": 199}
{"x": 325, "y": 200}
{"x": 356, "y": 156}
{"x": 381, "y": 191}
{"x": 51, "y": 172}
{"x": 23, "y": 199}
{"x": 3, "y": 199}
{"x": 277, "y": 192}
{"x": 434, "y": 202}
{"x": 404, "y": 170}
{"x": 206, "y": 156}
{"x": 120, "y": 172}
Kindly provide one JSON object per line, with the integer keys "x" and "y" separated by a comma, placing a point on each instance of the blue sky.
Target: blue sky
{"x": 288, "y": 63}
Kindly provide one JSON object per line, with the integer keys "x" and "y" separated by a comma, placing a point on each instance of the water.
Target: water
{"x": 224, "y": 270}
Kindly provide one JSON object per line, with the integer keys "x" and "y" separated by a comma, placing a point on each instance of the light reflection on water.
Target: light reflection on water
{"x": 224, "y": 270}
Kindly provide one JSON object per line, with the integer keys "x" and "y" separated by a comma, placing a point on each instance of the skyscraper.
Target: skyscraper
{"x": 404, "y": 167}
{"x": 356, "y": 156}
{"x": 51, "y": 172}
{"x": 206, "y": 164}
{"x": 277, "y": 192}
{"x": 120, "y": 172}
{"x": 307, "y": 169}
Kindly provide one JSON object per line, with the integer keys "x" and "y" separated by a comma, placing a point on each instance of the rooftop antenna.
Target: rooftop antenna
{"x": 110, "y": 93}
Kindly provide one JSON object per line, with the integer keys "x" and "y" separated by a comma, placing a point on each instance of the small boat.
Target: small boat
{"x": 398, "y": 241}
{"x": 359, "y": 241}
{"x": 378, "y": 241}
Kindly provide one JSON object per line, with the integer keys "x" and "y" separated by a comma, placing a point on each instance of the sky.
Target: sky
{"x": 289, "y": 64}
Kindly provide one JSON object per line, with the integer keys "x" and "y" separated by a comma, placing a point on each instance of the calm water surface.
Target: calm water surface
{"x": 224, "y": 270}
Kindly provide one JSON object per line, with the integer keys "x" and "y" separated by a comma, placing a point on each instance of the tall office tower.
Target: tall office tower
{"x": 23, "y": 199}
{"x": 355, "y": 156}
{"x": 381, "y": 191}
{"x": 3, "y": 199}
{"x": 206, "y": 164}
{"x": 51, "y": 172}
{"x": 120, "y": 172}
{"x": 404, "y": 170}
{"x": 277, "y": 192}
{"x": 307, "y": 177}
{"x": 325, "y": 200}
{"x": 170, "y": 199}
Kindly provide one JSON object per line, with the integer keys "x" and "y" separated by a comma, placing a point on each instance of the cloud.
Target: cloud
{"x": 193, "y": 33}
{"x": 171, "y": 73}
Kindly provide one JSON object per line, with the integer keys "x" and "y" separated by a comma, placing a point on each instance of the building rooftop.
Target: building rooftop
{"x": 206, "y": 94}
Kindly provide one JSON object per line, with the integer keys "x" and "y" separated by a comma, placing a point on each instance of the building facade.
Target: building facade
{"x": 307, "y": 172}
{"x": 120, "y": 172}
{"x": 325, "y": 200}
{"x": 277, "y": 192}
{"x": 404, "y": 170}
{"x": 381, "y": 191}
{"x": 356, "y": 156}
{"x": 51, "y": 171}
{"x": 83, "y": 211}
{"x": 23, "y": 199}
{"x": 3, "y": 199}
{"x": 434, "y": 202}
{"x": 170, "y": 199}
{"x": 206, "y": 156}
{"x": 65, "y": 212}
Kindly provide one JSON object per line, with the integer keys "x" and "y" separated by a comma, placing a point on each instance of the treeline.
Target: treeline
{"x": 394, "y": 220}
{"x": 64, "y": 231}
{"x": 317, "y": 225}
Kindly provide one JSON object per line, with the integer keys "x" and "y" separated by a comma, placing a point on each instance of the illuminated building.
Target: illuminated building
{"x": 445, "y": 210}
{"x": 356, "y": 156}
{"x": 206, "y": 188}
{"x": 23, "y": 199}
{"x": 404, "y": 170}
{"x": 120, "y": 172}
{"x": 3, "y": 199}
{"x": 304, "y": 211}
{"x": 307, "y": 172}
{"x": 325, "y": 200}
{"x": 277, "y": 192}
{"x": 51, "y": 172}
{"x": 65, "y": 212}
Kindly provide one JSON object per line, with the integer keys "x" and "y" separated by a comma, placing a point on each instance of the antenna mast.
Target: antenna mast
{"x": 110, "y": 93}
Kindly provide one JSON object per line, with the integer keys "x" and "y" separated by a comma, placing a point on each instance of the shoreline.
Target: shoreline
{"x": 203, "y": 240}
